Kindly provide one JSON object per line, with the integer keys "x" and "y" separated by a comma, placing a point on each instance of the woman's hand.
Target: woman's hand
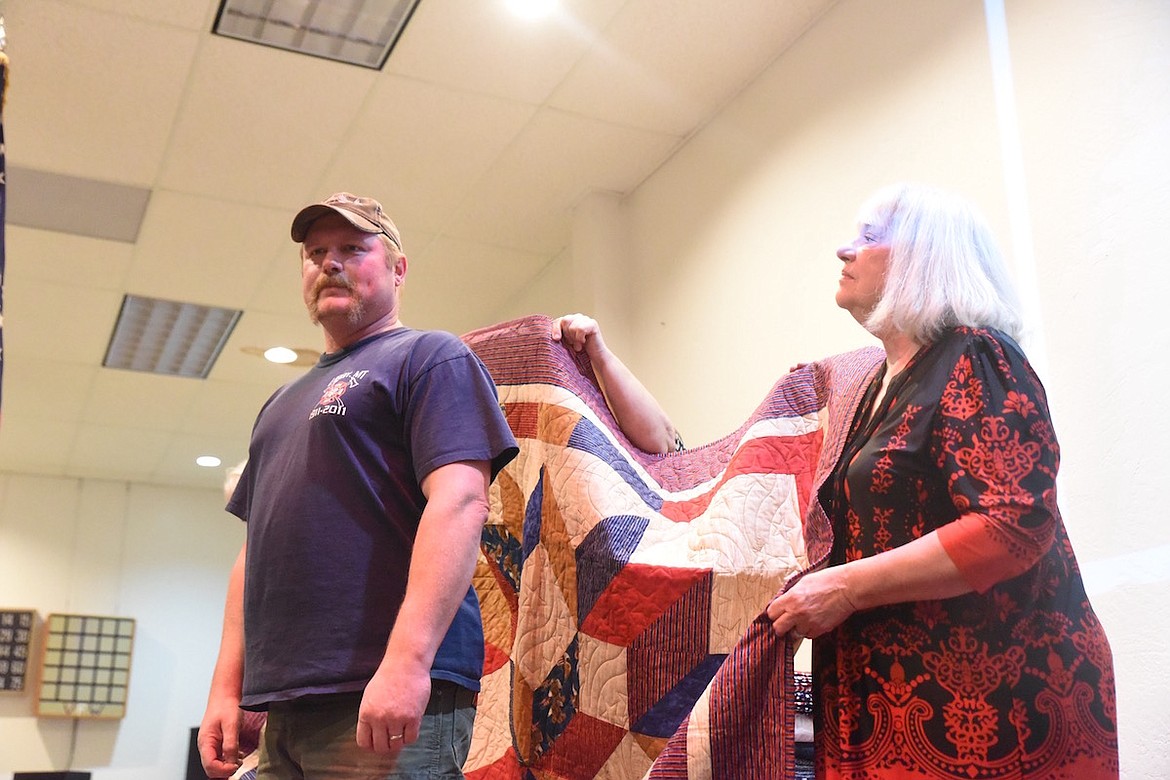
{"x": 636, "y": 411}
{"x": 815, "y": 605}
{"x": 820, "y": 601}
{"x": 579, "y": 332}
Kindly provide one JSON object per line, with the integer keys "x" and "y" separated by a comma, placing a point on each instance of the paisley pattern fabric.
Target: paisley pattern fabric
{"x": 1014, "y": 680}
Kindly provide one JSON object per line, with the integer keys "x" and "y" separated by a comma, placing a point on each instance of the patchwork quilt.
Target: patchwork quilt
{"x": 622, "y": 592}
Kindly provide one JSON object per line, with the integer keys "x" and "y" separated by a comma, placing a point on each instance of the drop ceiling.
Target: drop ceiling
{"x": 479, "y": 135}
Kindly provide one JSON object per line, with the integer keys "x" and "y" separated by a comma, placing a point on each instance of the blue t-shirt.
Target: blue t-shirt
{"x": 332, "y": 500}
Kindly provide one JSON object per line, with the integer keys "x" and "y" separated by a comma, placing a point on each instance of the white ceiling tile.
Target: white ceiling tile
{"x": 113, "y": 452}
{"x": 416, "y": 146}
{"x": 227, "y": 410}
{"x": 77, "y": 76}
{"x": 188, "y": 14}
{"x": 50, "y": 389}
{"x": 482, "y": 47}
{"x": 35, "y": 445}
{"x": 70, "y": 204}
{"x": 259, "y": 125}
{"x": 138, "y": 399}
{"x": 665, "y": 63}
{"x": 72, "y": 324}
{"x": 201, "y": 250}
{"x": 34, "y": 257}
{"x": 279, "y": 291}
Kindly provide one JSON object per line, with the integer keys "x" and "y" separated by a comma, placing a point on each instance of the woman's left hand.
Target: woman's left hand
{"x": 816, "y": 604}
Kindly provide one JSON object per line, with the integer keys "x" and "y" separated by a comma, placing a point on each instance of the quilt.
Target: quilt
{"x": 623, "y": 593}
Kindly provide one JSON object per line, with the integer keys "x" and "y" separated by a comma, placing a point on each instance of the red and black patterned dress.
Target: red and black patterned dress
{"x": 1014, "y": 680}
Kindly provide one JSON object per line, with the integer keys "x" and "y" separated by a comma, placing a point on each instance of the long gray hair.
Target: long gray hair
{"x": 945, "y": 268}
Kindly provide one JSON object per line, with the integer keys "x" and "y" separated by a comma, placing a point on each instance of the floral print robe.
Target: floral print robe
{"x": 1013, "y": 680}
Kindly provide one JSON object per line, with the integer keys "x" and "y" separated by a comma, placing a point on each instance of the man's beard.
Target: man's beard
{"x": 357, "y": 307}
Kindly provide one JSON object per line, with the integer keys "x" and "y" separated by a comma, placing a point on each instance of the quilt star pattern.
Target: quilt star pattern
{"x": 622, "y": 593}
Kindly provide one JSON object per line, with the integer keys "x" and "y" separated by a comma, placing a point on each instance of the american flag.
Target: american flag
{"x": 3, "y": 193}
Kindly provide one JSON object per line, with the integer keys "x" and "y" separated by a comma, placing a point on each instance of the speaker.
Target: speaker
{"x": 194, "y": 765}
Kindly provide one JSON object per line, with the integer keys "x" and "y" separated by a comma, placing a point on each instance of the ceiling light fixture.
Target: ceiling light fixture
{"x": 301, "y": 356}
{"x": 208, "y": 461}
{"x": 531, "y": 9}
{"x": 358, "y": 32}
{"x": 280, "y": 355}
{"x": 168, "y": 337}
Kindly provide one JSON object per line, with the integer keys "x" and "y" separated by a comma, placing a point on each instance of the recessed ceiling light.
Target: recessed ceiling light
{"x": 304, "y": 357}
{"x": 280, "y": 355}
{"x": 208, "y": 461}
{"x": 531, "y": 9}
{"x": 358, "y": 32}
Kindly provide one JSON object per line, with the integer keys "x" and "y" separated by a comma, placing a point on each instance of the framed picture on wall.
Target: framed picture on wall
{"x": 85, "y": 666}
{"x": 16, "y": 635}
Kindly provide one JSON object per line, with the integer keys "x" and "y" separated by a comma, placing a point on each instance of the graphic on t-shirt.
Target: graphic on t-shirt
{"x": 331, "y": 400}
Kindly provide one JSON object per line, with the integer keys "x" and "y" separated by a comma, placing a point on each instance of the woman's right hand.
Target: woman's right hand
{"x": 579, "y": 332}
{"x": 815, "y": 605}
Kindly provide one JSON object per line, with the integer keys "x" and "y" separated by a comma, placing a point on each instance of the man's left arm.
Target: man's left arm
{"x": 441, "y": 567}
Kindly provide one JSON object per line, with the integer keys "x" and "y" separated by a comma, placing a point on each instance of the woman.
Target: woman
{"x": 953, "y": 635}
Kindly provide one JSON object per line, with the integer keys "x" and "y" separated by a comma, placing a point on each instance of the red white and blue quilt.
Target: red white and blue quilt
{"x": 622, "y": 593}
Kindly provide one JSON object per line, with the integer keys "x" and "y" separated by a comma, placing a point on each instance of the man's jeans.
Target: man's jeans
{"x": 315, "y": 738}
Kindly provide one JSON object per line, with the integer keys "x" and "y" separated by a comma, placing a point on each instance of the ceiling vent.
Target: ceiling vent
{"x": 169, "y": 337}
{"x": 358, "y": 32}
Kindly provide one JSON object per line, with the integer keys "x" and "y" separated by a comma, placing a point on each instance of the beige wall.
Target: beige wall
{"x": 158, "y": 555}
{"x": 735, "y": 239}
{"x": 731, "y": 246}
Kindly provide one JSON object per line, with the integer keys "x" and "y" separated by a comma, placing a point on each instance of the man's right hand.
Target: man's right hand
{"x": 219, "y": 739}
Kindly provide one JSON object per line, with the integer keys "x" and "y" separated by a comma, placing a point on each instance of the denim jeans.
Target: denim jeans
{"x": 315, "y": 738}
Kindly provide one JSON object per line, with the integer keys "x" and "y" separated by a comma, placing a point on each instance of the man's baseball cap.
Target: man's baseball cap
{"x": 363, "y": 213}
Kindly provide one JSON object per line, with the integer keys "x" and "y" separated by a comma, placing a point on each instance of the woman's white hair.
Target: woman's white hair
{"x": 232, "y": 478}
{"x": 945, "y": 268}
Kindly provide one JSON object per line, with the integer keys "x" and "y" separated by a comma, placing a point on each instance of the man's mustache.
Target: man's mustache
{"x": 325, "y": 282}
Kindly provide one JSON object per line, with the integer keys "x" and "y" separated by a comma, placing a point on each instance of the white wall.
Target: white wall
{"x": 158, "y": 555}
{"x": 735, "y": 239}
{"x": 732, "y": 245}
{"x": 552, "y": 292}
{"x": 1093, "y": 87}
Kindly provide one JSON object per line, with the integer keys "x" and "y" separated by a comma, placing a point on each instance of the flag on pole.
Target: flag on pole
{"x": 3, "y": 190}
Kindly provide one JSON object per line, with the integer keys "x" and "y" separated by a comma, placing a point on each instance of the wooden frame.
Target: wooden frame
{"x": 17, "y": 629}
{"x": 85, "y": 666}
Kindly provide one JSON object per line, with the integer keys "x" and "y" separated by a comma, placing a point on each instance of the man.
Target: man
{"x": 350, "y": 616}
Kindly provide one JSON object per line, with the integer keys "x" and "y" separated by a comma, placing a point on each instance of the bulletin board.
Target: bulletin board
{"x": 85, "y": 669}
{"x": 16, "y": 635}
